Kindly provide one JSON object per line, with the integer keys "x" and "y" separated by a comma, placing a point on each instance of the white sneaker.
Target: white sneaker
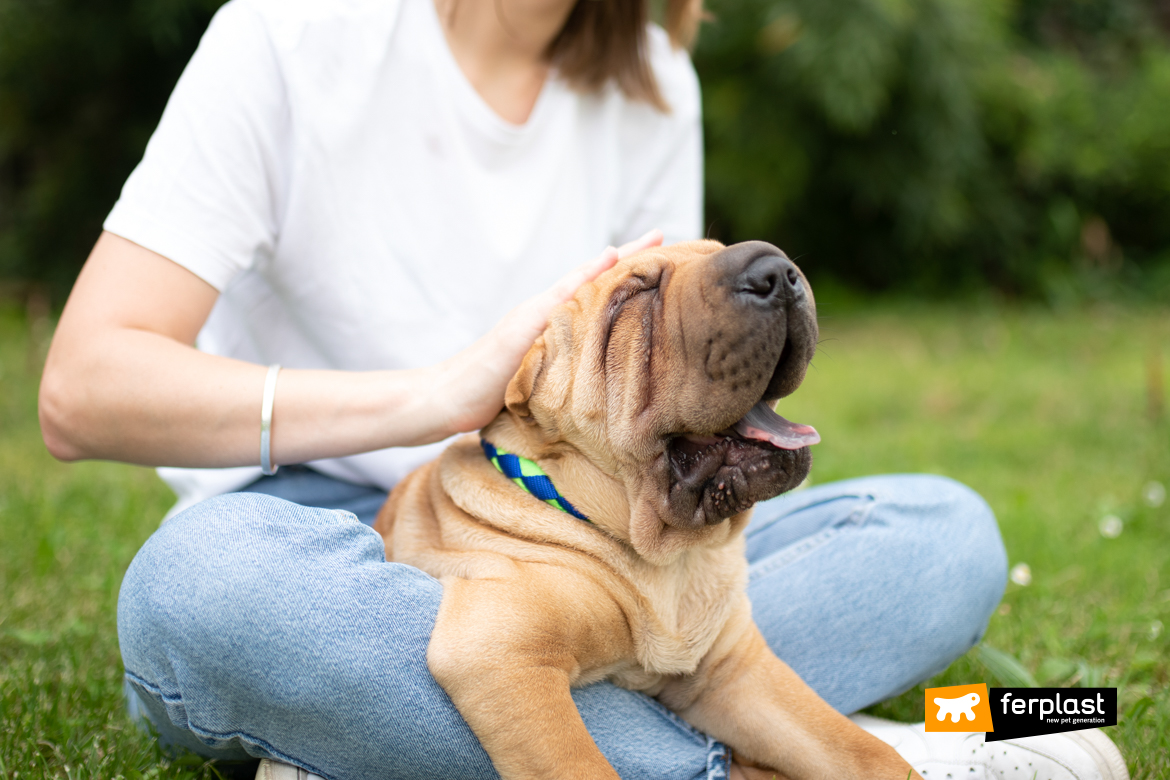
{"x": 274, "y": 770}
{"x": 1073, "y": 755}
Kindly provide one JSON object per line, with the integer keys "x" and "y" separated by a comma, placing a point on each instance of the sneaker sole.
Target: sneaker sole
{"x": 1098, "y": 745}
{"x": 1094, "y": 742}
{"x": 275, "y": 770}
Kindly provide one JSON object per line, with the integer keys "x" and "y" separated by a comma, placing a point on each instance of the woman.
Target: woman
{"x": 358, "y": 191}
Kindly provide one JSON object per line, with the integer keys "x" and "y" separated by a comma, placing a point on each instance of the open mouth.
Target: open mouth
{"x": 758, "y": 457}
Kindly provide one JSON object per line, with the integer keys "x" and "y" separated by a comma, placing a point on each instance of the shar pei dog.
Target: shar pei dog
{"x": 595, "y": 531}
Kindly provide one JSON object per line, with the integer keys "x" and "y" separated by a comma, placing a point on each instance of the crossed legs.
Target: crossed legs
{"x": 253, "y": 626}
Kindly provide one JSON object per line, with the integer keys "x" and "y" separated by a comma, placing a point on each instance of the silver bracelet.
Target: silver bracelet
{"x": 266, "y": 421}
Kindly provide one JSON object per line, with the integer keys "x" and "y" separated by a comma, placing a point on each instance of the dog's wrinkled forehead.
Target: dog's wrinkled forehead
{"x": 641, "y": 281}
{"x": 648, "y": 263}
{"x": 573, "y": 379}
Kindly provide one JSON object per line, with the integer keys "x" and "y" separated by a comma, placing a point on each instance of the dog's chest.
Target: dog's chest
{"x": 675, "y": 613}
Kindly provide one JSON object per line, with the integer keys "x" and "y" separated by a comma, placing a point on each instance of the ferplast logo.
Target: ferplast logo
{"x": 1026, "y": 712}
{"x": 1087, "y": 709}
{"x": 958, "y": 708}
{"x": 1007, "y": 713}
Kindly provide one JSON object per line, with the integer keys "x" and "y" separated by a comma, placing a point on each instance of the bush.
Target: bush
{"x": 82, "y": 85}
{"x": 940, "y": 143}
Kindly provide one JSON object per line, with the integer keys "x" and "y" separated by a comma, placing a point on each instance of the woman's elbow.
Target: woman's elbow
{"x": 57, "y": 410}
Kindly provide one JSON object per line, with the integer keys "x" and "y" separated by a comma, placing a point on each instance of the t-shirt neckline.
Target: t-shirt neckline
{"x": 469, "y": 98}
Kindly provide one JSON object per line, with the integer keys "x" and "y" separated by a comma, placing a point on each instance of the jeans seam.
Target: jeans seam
{"x": 718, "y": 755}
{"x": 152, "y": 688}
{"x": 718, "y": 764}
{"x": 242, "y": 735}
{"x": 798, "y": 550}
{"x": 860, "y": 514}
{"x": 718, "y": 760}
{"x": 754, "y": 529}
{"x": 791, "y": 553}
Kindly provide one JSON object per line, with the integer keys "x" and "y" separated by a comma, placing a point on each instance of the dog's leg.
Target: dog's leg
{"x": 745, "y": 696}
{"x": 506, "y": 651}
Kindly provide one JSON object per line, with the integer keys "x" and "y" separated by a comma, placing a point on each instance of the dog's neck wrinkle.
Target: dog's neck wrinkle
{"x": 506, "y": 507}
{"x": 575, "y": 475}
{"x": 610, "y": 502}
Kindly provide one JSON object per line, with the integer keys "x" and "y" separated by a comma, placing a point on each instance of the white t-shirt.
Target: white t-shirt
{"x": 328, "y": 168}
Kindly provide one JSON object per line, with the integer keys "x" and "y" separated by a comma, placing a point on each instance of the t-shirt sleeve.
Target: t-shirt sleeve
{"x": 206, "y": 193}
{"x": 666, "y": 163}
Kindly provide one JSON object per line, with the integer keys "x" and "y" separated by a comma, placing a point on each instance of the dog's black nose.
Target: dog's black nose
{"x": 759, "y": 275}
{"x": 767, "y": 278}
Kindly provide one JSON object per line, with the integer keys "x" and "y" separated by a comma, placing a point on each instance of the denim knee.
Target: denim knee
{"x": 200, "y": 567}
{"x": 245, "y": 613}
{"x": 961, "y": 555}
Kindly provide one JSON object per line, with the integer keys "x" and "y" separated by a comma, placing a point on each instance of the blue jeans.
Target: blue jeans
{"x": 252, "y": 626}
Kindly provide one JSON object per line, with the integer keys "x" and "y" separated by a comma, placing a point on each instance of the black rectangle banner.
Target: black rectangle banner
{"x": 1026, "y": 712}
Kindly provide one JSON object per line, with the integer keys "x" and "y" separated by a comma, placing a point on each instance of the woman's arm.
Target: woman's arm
{"x": 123, "y": 380}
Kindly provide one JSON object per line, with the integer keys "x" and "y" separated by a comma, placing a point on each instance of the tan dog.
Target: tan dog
{"x": 646, "y": 401}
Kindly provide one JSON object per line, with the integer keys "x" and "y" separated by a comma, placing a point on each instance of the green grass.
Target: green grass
{"x": 67, "y": 534}
{"x": 1046, "y": 414}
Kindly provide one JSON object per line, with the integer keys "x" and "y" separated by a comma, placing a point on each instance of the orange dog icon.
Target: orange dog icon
{"x": 958, "y": 708}
{"x": 963, "y": 705}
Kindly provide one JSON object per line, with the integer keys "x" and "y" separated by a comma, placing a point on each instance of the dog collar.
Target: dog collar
{"x": 530, "y": 477}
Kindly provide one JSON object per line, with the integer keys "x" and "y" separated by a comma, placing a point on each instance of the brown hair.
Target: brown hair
{"x": 606, "y": 39}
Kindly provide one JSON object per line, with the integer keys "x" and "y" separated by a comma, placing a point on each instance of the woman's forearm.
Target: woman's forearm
{"x": 122, "y": 381}
{"x": 144, "y": 398}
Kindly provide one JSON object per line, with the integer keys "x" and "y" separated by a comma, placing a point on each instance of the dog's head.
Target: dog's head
{"x": 649, "y": 395}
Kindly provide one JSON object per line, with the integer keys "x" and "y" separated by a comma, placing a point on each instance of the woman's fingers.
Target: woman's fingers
{"x": 563, "y": 290}
{"x": 567, "y": 285}
{"x": 652, "y": 238}
{"x": 534, "y": 313}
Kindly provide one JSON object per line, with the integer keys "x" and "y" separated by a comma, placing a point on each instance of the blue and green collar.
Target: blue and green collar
{"x": 530, "y": 477}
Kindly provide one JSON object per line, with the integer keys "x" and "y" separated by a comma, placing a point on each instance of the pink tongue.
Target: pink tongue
{"x": 763, "y": 424}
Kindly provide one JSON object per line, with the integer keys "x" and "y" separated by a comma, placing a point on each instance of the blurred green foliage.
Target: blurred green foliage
{"x": 936, "y": 144}
{"x": 913, "y": 144}
{"x": 82, "y": 85}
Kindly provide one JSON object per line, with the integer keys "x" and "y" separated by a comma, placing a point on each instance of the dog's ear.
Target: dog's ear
{"x": 522, "y": 386}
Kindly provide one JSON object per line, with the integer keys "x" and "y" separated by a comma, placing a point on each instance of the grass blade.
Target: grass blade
{"x": 1005, "y": 668}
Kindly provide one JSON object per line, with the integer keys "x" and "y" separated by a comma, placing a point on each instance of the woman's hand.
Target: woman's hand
{"x": 472, "y": 383}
